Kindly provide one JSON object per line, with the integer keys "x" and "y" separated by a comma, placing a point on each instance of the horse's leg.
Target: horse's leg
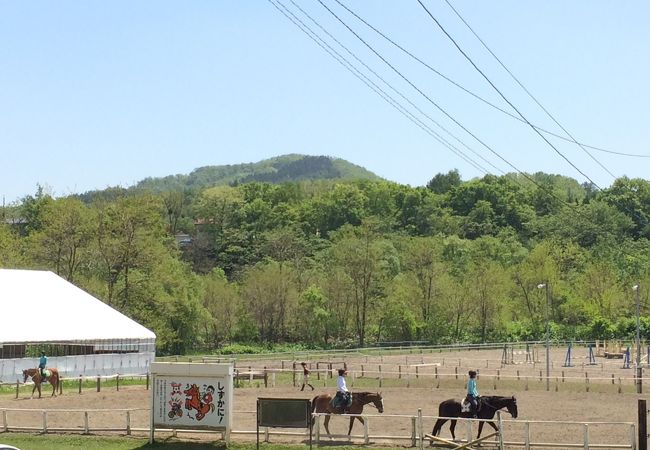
{"x": 452, "y": 428}
{"x": 327, "y": 423}
{"x": 352, "y": 422}
{"x": 438, "y": 426}
{"x": 34, "y": 390}
{"x": 480, "y": 428}
{"x": 55, "y": 384}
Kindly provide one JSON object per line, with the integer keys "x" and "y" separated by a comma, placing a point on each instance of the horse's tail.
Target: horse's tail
{"x": 313, "y": 409}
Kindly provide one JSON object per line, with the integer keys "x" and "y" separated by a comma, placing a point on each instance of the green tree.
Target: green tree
{"x": 64, "y": 236}
{"x": 364, "y": 257}
{"x": 443, "y": 183}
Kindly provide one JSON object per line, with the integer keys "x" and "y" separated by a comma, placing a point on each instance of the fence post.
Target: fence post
{"x": 586, "y": 433}
{"x": 99, "y": 383}
{"x": 293, "y": 373}
{"x": 317, "y": 429}
{"x": 643, "y": 425}
{"x": 420, "y": 429}
{"x": 80, "y": 383}
{"x": 500, "y": 431}
{"x": 60, "y": 386}
{"x": 128, "y": 423}
{"x": 147, "y": 380}
{"x": 86, "y": 429}
{"x": 366, "y": 433}
{"x": 527, "y": 436}
{"x": 4, "y": 420}
{"x": 17, "y": 387}
{"x": 414, "y": 431}
{"x": 399, "y": 370}
{"x": 117, "y": 381}
{"x": 44, "y": 421}
{"x": 266, "y": 378}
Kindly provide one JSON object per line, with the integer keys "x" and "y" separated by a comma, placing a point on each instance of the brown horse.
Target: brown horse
{"x": 53, "y": 379}
{"x": 322, "y": 404}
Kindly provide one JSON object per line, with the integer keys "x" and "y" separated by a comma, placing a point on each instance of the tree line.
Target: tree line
{"x": 327, "y": 263}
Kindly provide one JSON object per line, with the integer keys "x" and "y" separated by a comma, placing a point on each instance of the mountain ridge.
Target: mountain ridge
{"x": 284, "y": 168}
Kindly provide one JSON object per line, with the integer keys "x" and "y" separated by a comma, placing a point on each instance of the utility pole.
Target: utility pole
{"x": 548, "y": 335}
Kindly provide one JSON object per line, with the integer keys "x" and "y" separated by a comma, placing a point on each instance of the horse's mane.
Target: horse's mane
{"x": 498, "y": 399}
{"x": 365, "y": 393}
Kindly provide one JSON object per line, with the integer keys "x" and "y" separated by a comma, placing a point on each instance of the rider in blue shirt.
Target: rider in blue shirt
{"x": 42, "y": 363}
{"x": 472, "y": 392}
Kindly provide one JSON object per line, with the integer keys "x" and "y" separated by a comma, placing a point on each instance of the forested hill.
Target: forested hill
{"x": 340, "y": 263}
{"x": 286, "y": 168}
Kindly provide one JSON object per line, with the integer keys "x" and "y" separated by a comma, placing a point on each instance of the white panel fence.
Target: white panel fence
{"x": 87, "y": 365}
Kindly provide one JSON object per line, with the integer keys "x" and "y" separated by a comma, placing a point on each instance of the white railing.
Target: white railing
{"x": 518, "y": 433}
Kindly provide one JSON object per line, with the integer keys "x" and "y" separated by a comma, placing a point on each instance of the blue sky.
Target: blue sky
{"x": 97, "y": 94}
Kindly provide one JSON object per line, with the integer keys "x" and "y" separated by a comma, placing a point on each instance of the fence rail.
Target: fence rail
{"x": 523, "y": 438}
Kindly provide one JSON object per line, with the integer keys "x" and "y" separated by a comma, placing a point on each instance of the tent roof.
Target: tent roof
{"x": 40, "y": 306}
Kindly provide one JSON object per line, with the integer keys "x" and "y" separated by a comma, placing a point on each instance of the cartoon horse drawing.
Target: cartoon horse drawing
{"x": 193, "y": 401}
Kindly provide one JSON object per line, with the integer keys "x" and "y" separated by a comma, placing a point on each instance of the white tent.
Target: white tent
{"x": 85, "y": 335}
{"x": 39, "y": 306}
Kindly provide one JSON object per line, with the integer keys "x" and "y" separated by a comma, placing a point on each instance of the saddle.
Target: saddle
{"x": 341, "y": 400}
{"x": 466, "y": 405}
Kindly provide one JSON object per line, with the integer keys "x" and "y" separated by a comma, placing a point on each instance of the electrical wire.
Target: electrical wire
{"x": 441, "y": 109}
{"x": 502, "y": 95}
{"x": 339, "y": 58}
{"x": 528, "y": 92}
{"x": 473, "y": 94}
{"x": 393, "y": 88}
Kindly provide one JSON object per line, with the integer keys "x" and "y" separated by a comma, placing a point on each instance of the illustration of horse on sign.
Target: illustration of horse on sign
{"x": 194, "y": 402}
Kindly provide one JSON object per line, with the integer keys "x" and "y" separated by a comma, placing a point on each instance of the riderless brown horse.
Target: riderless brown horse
{"x": 53, "y": 379}
{"x": 322, "y": 404}
{"x": 489, "y": 406}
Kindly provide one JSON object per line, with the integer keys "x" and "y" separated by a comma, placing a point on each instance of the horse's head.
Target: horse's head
{"x": 378, "y": 401}
{"x": 25, "y": 375}
{"x": 192, "y": 391}
{"x": 511, "y": 405}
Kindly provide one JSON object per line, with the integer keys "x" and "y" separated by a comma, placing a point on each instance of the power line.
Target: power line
{"x": 393, "y": 88}
{"x": 473, "y": 94}
{"x": 341, "y": 60}
{"x": 503, "y": 96}
{"x": 425, "y": 95}
{"x": 527, "y": 91}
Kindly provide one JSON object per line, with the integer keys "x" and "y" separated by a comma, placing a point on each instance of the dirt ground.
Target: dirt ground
{"x": 575, "y": 400}
{"x": 533, "y": 406}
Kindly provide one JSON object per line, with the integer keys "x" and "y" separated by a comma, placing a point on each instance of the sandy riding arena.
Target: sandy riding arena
{"x": 572, "y": 401}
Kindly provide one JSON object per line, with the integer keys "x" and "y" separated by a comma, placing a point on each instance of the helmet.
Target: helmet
{"x": 472, "y": 373}
{"x": 342, "y": 372}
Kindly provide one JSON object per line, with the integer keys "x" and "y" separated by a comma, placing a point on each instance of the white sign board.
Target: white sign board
{"x": 192, "y": 396}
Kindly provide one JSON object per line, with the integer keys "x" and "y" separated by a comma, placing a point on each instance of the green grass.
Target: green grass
{"x": 72, "y": 386}
{"x": 64, "y": 442}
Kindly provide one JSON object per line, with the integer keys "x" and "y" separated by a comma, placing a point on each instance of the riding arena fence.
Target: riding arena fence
{"x": 514, "y": 434}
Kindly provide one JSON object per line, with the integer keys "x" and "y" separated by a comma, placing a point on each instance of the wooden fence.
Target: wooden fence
{"x": 97, "y": 381}
{"x": 515, "y": 433}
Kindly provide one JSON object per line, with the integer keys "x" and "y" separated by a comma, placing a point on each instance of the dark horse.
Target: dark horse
{"x": 53, "y": 379}
{"x": 322, "y": 404}
{"x": 489, "y": 406}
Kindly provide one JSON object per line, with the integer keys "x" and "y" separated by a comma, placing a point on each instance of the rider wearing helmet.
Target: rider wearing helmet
{"x": 42, "y": 362}
{"x": 472, "y": 393}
